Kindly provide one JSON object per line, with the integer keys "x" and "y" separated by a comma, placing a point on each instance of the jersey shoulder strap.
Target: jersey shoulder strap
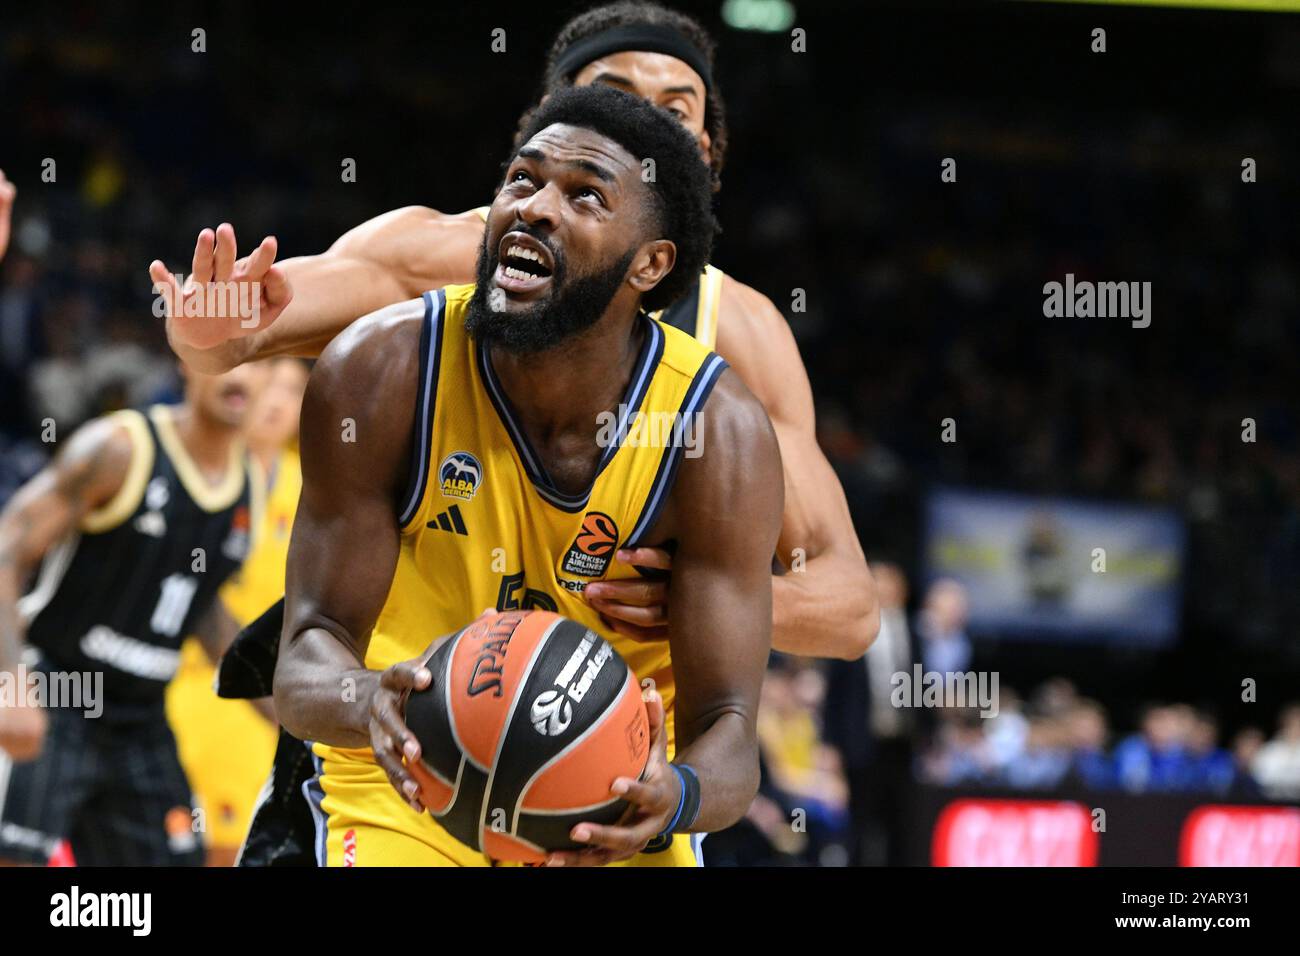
{"x": 696, "y": 313}
{"x": 209, "y": 498}
{"x": 124, "y": 504}
{"x": 432, "y": 329}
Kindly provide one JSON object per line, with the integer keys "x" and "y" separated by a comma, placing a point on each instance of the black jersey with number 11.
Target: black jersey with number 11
{"x": 121, "y": 593}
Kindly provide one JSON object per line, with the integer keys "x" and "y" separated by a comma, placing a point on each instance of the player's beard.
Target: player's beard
{"x": 573, "y": 306}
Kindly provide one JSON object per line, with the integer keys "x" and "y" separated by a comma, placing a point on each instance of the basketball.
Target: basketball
{"x": 528, "y": 721}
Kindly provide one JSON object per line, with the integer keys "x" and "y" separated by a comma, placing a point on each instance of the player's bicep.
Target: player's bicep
{"x": 754, "y": 337}
{"x": 355, "y": 435}
{"x": 766, "y": 356}
{"x": 412, "y": 250}
{"x": 87, "y": 472}
{"x": 817, "y": 517}
{"x": 727, "y": 504}
{"x": 341, "y": 558}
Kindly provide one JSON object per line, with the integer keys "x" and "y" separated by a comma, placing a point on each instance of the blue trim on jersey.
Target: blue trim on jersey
{"x": 666, "y": 476}
{"x": 313, "y": 793}
{"x": 652, "y": 350}
{"x": 430, "y": 359}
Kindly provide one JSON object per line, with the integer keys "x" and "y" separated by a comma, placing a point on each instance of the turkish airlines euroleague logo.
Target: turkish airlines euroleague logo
{"x": 1014, "y": 833}
{"x": 590, "y": 553}
{"x": 1241, "y": 836}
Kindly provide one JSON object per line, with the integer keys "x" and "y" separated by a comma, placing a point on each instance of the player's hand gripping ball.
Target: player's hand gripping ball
{"x": 529, "y": 719}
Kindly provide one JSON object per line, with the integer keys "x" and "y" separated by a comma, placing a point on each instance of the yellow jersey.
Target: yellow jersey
{"x": 483, "y": 525}
{"x": 225, "y": 746}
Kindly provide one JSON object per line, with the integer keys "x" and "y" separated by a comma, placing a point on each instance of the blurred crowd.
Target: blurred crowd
{"x": 924, "y": 302}
{"x": 840, "y": 757}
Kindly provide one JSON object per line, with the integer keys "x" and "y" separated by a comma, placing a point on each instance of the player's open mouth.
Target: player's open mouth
{"x": 525, "y": 264}
{"x": 235, "y": 396}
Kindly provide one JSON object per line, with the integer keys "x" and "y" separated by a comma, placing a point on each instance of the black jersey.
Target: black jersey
{"x": 121, "y": 594}
{"x": 696, "y": 312}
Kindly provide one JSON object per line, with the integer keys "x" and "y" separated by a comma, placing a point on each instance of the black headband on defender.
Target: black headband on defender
{"x": 646, "y": 37}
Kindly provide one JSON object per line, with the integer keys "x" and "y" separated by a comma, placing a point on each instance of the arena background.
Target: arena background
{"x": 924, "y": 301}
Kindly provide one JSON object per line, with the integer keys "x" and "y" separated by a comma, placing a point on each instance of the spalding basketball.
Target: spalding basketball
{"x": 528, "y": 721}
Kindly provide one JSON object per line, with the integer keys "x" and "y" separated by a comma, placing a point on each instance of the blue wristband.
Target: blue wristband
{"x": 688, "y": 807}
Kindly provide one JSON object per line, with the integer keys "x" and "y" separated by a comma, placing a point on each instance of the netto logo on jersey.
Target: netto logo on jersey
{"x": 590, "y": 553}
{"x": 551, "y": 713}
{"x": 460, "y": 475}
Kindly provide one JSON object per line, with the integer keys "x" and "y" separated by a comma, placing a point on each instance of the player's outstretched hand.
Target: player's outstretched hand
{"x": 7, "y": 193}
{"x": 634, "y": 608}
{"x": 22, "y": 731}
{"x": 654, "y": 800}
{"x": 224, "y": 298}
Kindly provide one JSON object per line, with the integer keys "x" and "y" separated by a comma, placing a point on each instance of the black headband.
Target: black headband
{"x": 646, "y": 37}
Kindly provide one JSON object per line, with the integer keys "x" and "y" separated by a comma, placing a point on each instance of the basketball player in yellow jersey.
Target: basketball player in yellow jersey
{"x": 488, "y": 427}
{"x": 829, "y": 609}
{"x": 227, "y": 777}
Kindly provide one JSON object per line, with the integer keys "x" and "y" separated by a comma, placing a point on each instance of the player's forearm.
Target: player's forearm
{"x": 214, "y": 361}
{"x": 320, "y": 692}
{"x": 725, "y": 757}
{"x": 330, "y": 292}
{"x": 827, "y": 609}
{"x": 11, "y": 638}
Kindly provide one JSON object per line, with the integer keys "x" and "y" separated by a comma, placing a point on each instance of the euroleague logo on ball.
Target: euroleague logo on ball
{"x": 551, "y": 713}
{"x": 590, "y": 552}
{"x": 460, "y": 474}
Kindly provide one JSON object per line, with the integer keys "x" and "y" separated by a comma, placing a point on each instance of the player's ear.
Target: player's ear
{"x": 706, "y": 145}
{"x": 653, "y": 261}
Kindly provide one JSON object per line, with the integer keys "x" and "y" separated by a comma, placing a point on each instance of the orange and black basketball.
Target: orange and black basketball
{"x": 528, "y": 721}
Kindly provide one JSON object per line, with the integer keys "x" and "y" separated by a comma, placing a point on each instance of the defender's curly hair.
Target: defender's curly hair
{"x": 681, "y": 196}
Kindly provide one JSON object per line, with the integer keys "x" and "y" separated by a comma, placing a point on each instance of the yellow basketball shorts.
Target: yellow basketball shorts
{"x": 362, "y": 821}
{"x": 225, "y": 747}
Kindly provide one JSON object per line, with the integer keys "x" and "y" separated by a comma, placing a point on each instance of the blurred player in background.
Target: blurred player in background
{"x": 226, "y": 778}
{"x": 828, "y": 609}
{"x": 128, "y": 534}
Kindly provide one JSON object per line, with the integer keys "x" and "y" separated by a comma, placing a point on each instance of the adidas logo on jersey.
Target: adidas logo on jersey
{"x": 449, "y": 520}
{"x": 151, "y": 523}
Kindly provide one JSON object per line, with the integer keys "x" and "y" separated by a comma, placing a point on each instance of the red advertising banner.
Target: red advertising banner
{"x": 1241, "y": 836}
{"x": 976, "y": 832}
